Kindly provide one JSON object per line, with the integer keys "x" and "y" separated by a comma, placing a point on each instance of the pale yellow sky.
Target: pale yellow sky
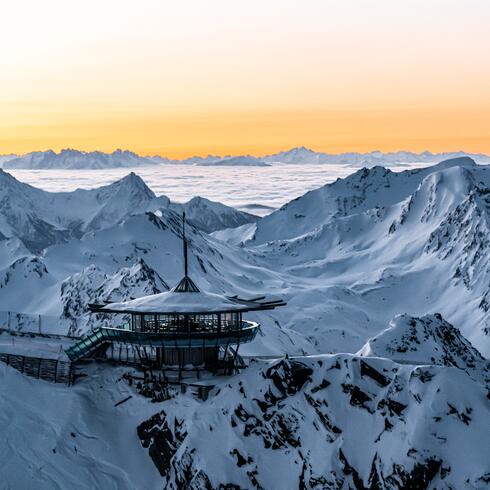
{"x": 219, "y": 76}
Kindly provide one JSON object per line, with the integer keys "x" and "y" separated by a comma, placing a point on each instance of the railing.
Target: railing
{"x": 35, "y": 367}
{"x": 103, "y": 335}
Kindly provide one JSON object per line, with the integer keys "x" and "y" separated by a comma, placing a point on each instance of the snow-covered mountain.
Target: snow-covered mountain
{"x": 211, "y": 160}
{"x": 347, "y": 257}
{"x": 75, "y": 159}
{"x": 41, "y": 218}
{"x": 326, "y": 421}
{"x": 337, "y": 421}
{"x": 210, "y": 216}
{"x": 198, "y": 160}
{"x": 93, "y": 285}
{"x": 347, "y": 403}
{"x": 427, "y": 340}
{"x": 298, "y": 155}
{"x": 380, "y": 243}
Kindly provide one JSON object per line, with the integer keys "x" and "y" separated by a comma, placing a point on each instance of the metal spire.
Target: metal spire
{"x": 185, "y": 246}
{"x": 186, "y": 285}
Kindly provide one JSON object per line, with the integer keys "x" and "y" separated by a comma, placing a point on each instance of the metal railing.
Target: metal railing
{"x": 52, "y": 370}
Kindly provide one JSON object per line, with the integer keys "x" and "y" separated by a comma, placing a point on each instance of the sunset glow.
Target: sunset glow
{"x": 194, "y": 77}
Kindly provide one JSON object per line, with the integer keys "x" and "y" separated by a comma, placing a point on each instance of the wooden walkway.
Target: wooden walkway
{"x": 52, "y": 370}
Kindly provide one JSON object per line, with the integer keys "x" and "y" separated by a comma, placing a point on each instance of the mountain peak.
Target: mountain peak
{"x": 457, "y": 162}
{"x": 426, "y": 340}
{"x": 134, "y": 182}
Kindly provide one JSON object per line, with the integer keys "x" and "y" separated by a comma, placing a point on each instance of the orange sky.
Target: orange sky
{"x": 192, "y": 77}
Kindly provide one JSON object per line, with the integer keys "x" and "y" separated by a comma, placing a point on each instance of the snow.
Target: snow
{"x": 41, "y": 218}
{"x": 386, "y": 331}
{"x": 346, "y": 257}
{"x": 331, "y": 422}
{"x": 178, "y": 302}
{"x": 212, "y": 216}
{"x": 81, "y": 440}
{"x": 324, "y": 420}
{"x": 47, "y": 347}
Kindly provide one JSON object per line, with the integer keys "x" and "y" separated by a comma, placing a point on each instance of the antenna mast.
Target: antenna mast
{"x": 185, "y": 245}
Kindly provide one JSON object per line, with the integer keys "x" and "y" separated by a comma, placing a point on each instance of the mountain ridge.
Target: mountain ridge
{"x": 77, "y": 159}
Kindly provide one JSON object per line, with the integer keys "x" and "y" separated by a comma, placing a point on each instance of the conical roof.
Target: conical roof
{"x": 194, "y": 301}
{"x": 174, "y": 302}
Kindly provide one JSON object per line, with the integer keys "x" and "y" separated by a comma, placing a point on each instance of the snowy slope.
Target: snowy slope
{"x": 11, "y": 249}
{"x": 54, "y": 436}
{"x": 210, "y": 216}
{"x": 379, "y": 243}
{"x": 41, "y": 218}
{"x": 427, "y": 340}
{"x": 75, "y": 159}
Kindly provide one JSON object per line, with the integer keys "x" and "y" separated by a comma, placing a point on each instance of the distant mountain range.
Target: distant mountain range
{"x": 75, "y": 159}
{"x": 306, "y": 155}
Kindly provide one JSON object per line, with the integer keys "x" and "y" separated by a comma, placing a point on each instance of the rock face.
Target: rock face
{"x": 93, "y": 286}
{"x": 327, "y": 422}
{"x": 26, "y": 276}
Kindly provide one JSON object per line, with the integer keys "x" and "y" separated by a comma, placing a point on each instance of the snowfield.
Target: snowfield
{"x": 375, "y": 374}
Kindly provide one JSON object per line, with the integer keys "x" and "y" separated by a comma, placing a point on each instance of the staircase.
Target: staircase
{"x": 96, "y": 340}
